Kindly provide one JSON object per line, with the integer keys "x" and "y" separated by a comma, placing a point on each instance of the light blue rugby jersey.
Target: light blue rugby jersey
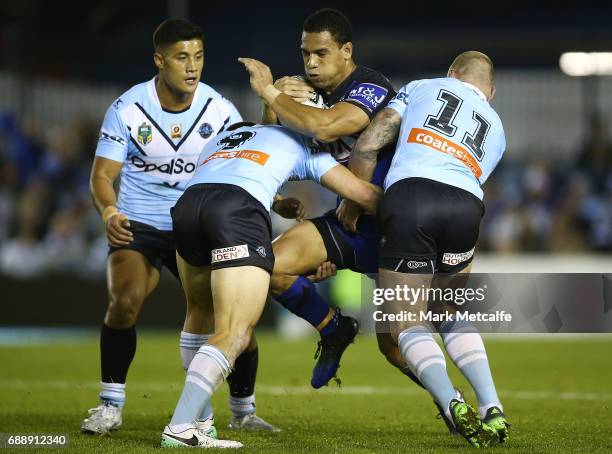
{"x": 158, "y": 148}
{"x": 449, "y": 133}
{"x": 260, "y": 159}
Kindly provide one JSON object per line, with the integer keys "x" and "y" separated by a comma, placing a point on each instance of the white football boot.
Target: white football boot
{"x": 194, "y": 437}
{"x": 251, "y": 422}
{"x": 102, "y": 419}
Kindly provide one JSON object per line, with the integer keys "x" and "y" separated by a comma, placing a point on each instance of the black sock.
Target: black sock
{"x": 408, "y": 373}
{"x": 117, "y": 349}
{"x": 242, "y": 380}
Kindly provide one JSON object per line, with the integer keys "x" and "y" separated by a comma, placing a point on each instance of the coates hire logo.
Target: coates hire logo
{"x": 174, "y": 167}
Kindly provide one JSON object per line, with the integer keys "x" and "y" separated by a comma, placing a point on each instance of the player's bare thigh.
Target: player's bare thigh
{"x": 391, "y": 280}
{"x": 300, "y": 250}
{"x": 239, "y": 296}
{"x": 130, "y": 279}
{"x": 454, "y": 281}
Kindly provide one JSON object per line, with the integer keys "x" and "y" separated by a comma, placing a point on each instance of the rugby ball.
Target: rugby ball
{"x": 315, "y": 101}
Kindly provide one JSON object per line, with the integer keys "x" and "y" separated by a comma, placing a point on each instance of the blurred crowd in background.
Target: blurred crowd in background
{"x": 47, "y": 220}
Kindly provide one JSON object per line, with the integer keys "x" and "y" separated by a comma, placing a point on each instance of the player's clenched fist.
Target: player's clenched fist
{"x": 296, "y": 87}
{"x": 117, "y": 227}
{"x": 289, "y": 208}
{"x": 261, "y": 76}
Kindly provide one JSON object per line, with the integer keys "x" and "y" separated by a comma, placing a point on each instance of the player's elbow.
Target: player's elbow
{"x": 92, "y": 184}
{"x": 325, "y": 136}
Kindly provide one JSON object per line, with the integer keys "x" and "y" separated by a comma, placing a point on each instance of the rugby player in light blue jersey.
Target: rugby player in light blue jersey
{"x": 223, "y": 236}
{"x": 449, "y": 140}
{"x": 151, "y": 137}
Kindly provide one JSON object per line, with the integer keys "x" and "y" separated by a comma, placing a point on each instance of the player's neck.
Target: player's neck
{"x": 350, "y": 67}
{"x": 171, "y": 99}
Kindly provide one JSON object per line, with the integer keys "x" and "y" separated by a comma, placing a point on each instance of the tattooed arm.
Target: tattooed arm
{"x": 382, "y": 131}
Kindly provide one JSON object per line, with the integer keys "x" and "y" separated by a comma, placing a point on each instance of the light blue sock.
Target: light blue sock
{"x": 426, "y": 360}
{"x": 207, "y": 370}
{"x": 465, "y": 347}
{"x": 189, "y": 344}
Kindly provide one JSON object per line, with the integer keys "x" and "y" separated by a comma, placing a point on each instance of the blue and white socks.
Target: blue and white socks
{"x": 207, "y": 370}
{"x": 242, "y": 406}
{"x": 426, "y": 360}
{"x": 189, "y": 344}
{"x": 113, "y": 394}
{"x": 465, "y": 348}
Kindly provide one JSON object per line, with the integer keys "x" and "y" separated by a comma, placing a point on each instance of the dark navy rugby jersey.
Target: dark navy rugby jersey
{"x": 370, "y": 91}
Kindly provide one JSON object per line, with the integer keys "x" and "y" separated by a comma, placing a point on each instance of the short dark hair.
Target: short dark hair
{"x": 172, "y": 31}
{"x": 332, "y": 21}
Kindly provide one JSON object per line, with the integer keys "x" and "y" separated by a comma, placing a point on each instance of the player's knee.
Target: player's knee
{"x": 124, "y": 307}
{"x": 280, "y": 282}
{"x": 234, "y": 339}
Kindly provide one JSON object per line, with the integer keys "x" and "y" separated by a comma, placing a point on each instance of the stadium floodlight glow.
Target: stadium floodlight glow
{"x": 586, "y": 63}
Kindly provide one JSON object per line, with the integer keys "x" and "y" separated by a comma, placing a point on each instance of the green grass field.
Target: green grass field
{"x": 557, "y": 395}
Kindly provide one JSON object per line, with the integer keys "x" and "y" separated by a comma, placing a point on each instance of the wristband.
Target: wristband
{"x": 109, "y": 212}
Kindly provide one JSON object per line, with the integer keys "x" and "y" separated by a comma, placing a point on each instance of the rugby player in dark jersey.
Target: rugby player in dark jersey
{"x": 352, "y": 95}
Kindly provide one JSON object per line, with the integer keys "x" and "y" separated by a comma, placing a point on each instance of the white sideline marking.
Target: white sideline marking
{"x": 301, "y": 390}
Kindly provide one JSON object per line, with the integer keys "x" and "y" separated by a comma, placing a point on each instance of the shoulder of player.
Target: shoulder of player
{"x": 206, "y": 92}
{"x": 364, "y": 74}
{"x": 136, "y": 93}
{"x": 281, "y": 134}
{"x": 414, "y": 84}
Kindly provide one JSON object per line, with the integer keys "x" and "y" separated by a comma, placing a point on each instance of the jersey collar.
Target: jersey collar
{"x": 153, "y": 93}
{"x": 476, "y": 89}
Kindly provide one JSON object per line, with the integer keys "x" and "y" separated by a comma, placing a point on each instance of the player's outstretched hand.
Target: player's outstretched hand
{"x": 296, "y": 87}
{"x": 260, "y": 74}
{"x": 324, "y": 271}
{"x": 348, "y": 213}
{"x": 289, "y": 208}
{"x": 117, "y": 230}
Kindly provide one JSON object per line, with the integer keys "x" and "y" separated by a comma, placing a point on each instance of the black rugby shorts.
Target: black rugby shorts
{"x": 223, "y": 226}
{"x": 428, "y": 227}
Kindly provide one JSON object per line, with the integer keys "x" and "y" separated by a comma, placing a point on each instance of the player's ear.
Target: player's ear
{"x": 493, "y": 91}
{"x": 347, "y": 50}
{"x": 158, "y": 59}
